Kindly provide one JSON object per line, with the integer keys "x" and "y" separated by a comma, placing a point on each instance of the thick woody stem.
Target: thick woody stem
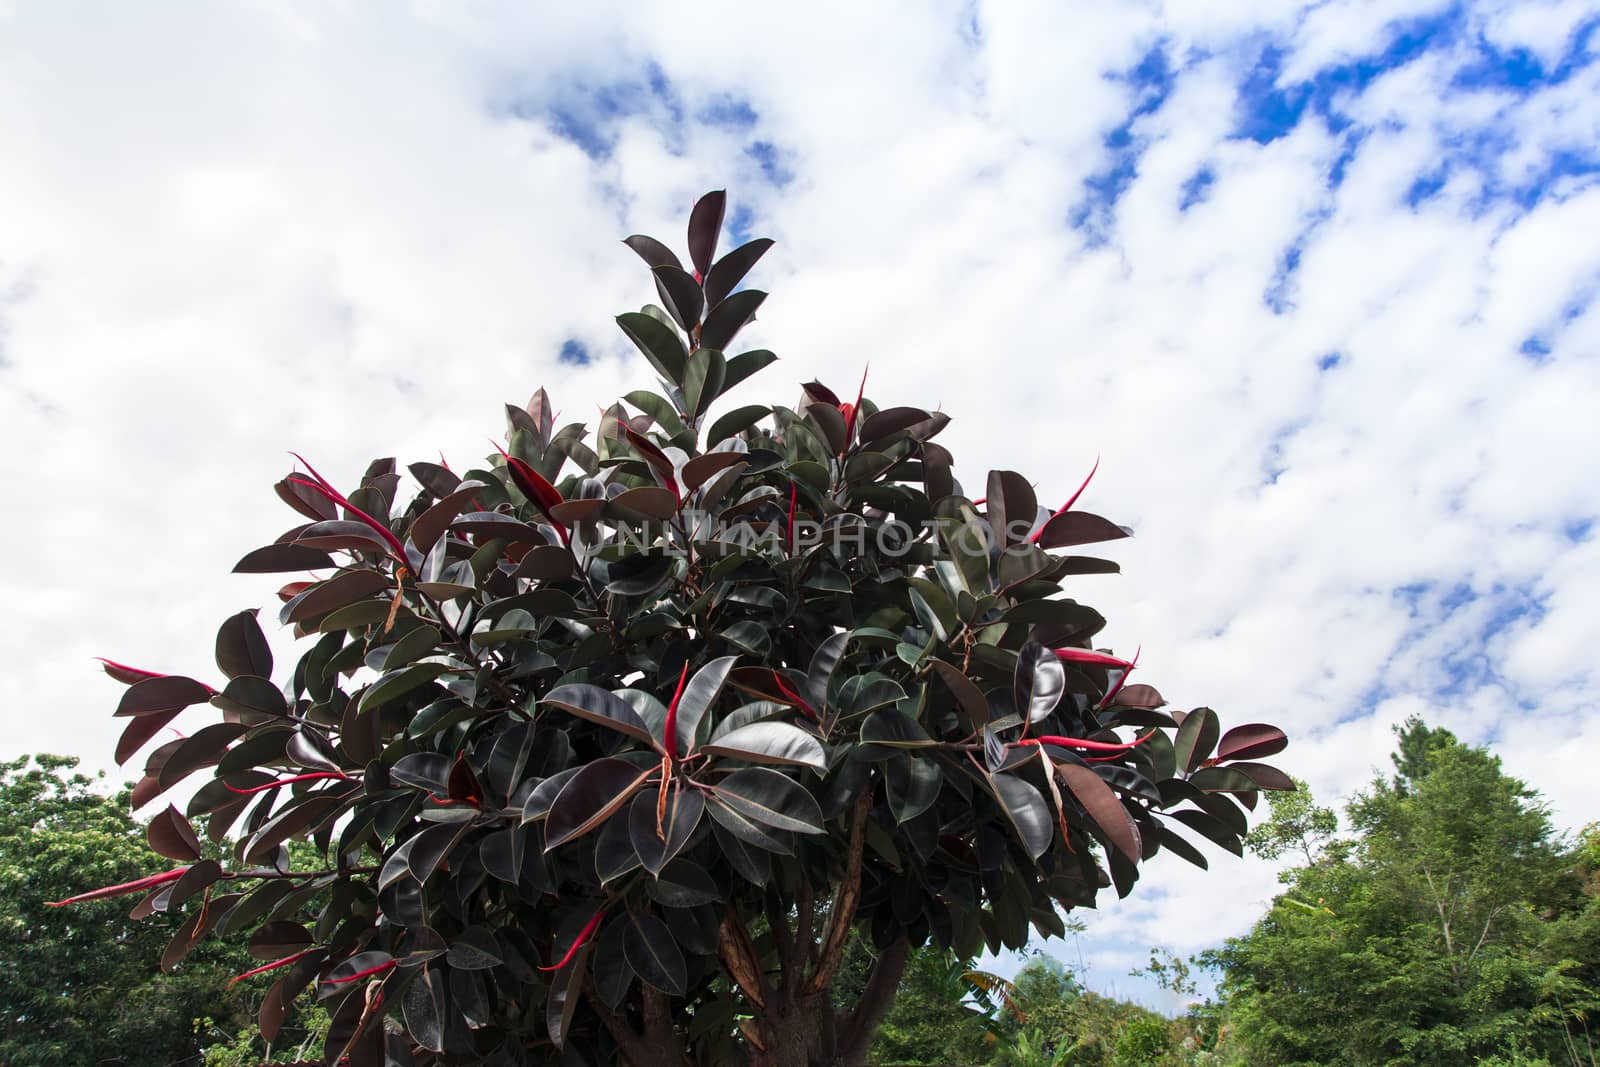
{"x": 633, "y": 1046}
{"x": 858, "y": 1029}
{"x": 796, "y": 949}
{"x": 738, "y": 955}
{"x": 843, "y": 913}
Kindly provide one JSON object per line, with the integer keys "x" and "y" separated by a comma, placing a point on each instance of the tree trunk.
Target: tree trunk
{"x": 807, "y": 1032}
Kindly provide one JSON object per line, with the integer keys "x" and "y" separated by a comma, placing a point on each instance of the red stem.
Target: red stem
{"x": 1085, "y": 743}
{"x": 314, "y": 777}
{"x": 361, "y": 974}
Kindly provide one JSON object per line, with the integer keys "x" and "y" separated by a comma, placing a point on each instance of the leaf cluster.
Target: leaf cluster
{"x": 571, "y": 720}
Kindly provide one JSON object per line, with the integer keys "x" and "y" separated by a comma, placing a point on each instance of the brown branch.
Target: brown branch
{"x": 843, "y": 913}
{"x": 778, "y": 923}
{"x": 633, "y": 1045}
{"x": 738, "y": 955}
{"x": 657, "y": 1020}
{"x": 795, "y": 949}
{"x": 858, "y": 1029}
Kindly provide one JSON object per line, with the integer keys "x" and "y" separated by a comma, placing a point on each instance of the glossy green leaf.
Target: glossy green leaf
{"x": 1197, "y": 736}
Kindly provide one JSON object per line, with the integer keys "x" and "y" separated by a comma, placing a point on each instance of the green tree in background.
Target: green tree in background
{"x": 76, "y": 985}
{"x": 935, "y": 1018}
{"x": 1295, "y": 823}
{"x": 1455, "y": 928}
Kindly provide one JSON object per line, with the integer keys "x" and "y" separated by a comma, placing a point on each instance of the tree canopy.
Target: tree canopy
{"x": 78, "y": 986}
{"x": 1454, "y": 927}
{"x": 614, "y": 741}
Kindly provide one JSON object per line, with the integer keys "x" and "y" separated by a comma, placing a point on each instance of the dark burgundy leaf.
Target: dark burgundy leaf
{"x": 591, "y": 797}
{"x": 1140, "y": 696}
{"x": 1027, "y": 810}
{"x": 200, "y": 749}
{"x": 170, "y": 834}
{"x": 275, "y": 940}
{"x": 276, "y": 559}
{"x": 772, "y": 799}
{"x": 652, "y": 251}
{"x": 726, "y": 273}
{"x": 654, "y": 955}
{"x": 1251, "y": 741}
{"x": 1197, "y": 736}
{"x": 201, "y": 875}
{"x": 1103, "y": 807}
{"x": 428, "y": 771}
{"x": 658, "y": 342}
{"x": 771, "y": 742}
{"x": 729, "y": 317}
{"x": 1173, "y": 843}
{"x": 1078, "y": 528}
{"x": 1039, "y": 682}
{"x": 304, "y": 499}
{"x": 824, "y": 662}
{"x": 741, "y": 367}
{"x": 344, "y": 588}
{"x": 705, "y": 226}
{"x": 424, "y": 1009}
{"x": 242, "y": 647}
{"x": 655, "y": 850}
{"x": 474, "y": 949}
{"x": 681, "y": 294}
{"x": 701, "y": 469}
{"x": 598, "y": 705}
{"x": 1265, "y": 777}
{"x": 698, "y": 697}
{"x": 968, "y": 696}
{"x": 161, "y": 695}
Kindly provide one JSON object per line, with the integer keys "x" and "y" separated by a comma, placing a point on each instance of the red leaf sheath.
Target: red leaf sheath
{"x": 274, "y": 965}
{"x": 123, "y": 888}
{"x": 323, "y": 486}
{"x": 1073, "y": 499}
{"x": 534, "y": 486}
{"x": 125, "y": 674}
{"x": 583, "y": 936}
{"x": 1083, "y": 655}
{"x": 670, "y": 741}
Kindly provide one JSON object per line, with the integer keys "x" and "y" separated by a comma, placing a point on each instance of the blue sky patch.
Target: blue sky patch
{"x": 1197, "y": 190}
{"x": 1151, "y": 81}
{"x": 591, "y": 116}
{"x": 771, "y": 160}
{"x": 739, "y": 225}
{"x": 728, "y": 112}
{"x": 1268, "y": 110}
{"x": 574, "y": 353}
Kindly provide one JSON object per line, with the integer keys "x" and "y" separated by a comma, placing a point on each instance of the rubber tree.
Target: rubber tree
{"x": 612, "y": 742}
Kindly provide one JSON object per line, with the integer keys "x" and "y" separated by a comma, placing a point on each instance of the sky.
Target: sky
{"x": 1314, "y": 282}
